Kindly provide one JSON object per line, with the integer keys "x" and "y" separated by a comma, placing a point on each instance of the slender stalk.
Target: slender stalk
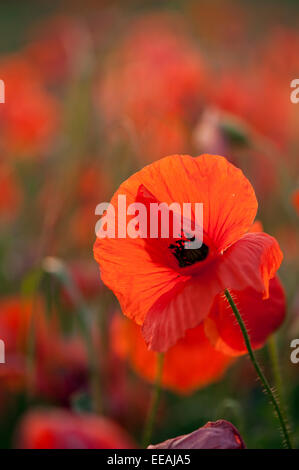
{"x": 154, "y": 404}
{"x": 267, "y": 387}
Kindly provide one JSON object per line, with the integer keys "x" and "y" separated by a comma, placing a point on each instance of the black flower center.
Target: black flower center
{"x": 188, "y": 256}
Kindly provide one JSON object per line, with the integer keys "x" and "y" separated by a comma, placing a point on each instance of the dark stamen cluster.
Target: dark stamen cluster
{"x": 188, "y": 256}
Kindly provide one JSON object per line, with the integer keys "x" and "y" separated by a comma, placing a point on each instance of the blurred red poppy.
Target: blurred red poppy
{"x": 60, "y": 429}
{"x": 205, "y": 364}
{"x": 56, "y": 47}
{"x": 93, "y": 187}
{"x": 269, "y": 113}
{"x": 59, "y": 363}
{"x": 157, "y": 112}
{"x": 279, "y": 53}
{"x": 30, "y": 115}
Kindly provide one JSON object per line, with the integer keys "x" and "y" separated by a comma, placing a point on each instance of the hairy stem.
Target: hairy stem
{"x": 267, "y": 387}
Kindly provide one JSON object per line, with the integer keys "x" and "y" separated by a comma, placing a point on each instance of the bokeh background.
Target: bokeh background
{"x": 94, "y": 91}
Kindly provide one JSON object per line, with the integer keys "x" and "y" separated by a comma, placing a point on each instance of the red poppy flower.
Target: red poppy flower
{"x": 29, "y": 116}
{"x": 205, "y": 364}
{"x": 60, "y": 366}
{"x": 57, "y": 44}
{"x": 270, "y": 113}
{"x": 168, "y": 291}
{"x": 60, "y": 429}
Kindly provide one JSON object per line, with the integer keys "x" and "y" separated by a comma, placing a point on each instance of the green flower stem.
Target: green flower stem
{"x": 263, "y": 379}
{"x": 153, "y": 408}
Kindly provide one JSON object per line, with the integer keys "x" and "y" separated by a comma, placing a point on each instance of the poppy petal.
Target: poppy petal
{"x": 170, "y": 317}
{"x": 219, "y": 434}
{"x": 55, "y": 428}
{"x": 229, "y": 202}
{"x": 205, "y": 363}
{"x": 250, "y": 262}
{"x": 261, "y": 317}
{"x": 136, "y": 281}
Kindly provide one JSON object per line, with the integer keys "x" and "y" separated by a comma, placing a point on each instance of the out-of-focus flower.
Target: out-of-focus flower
{"x": 30, "y": 115}
{"x": 60, "y": 429}
{"x": 191, "y": 364}
{"x": 168, "y": 290}
{"x": 219, "y": 434}
{"x": 253, "y": 95}
{"x": 60, "y": 364}
{"x": 153, "y": 85}
{"x": 93, "y": 187}
{"x": 221, "y": 132}
{"x": 57, "y": 47}
{"x": 280, "y": 54}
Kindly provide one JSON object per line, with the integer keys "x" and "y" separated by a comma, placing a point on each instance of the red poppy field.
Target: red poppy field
{"x": 118, "y": 331}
